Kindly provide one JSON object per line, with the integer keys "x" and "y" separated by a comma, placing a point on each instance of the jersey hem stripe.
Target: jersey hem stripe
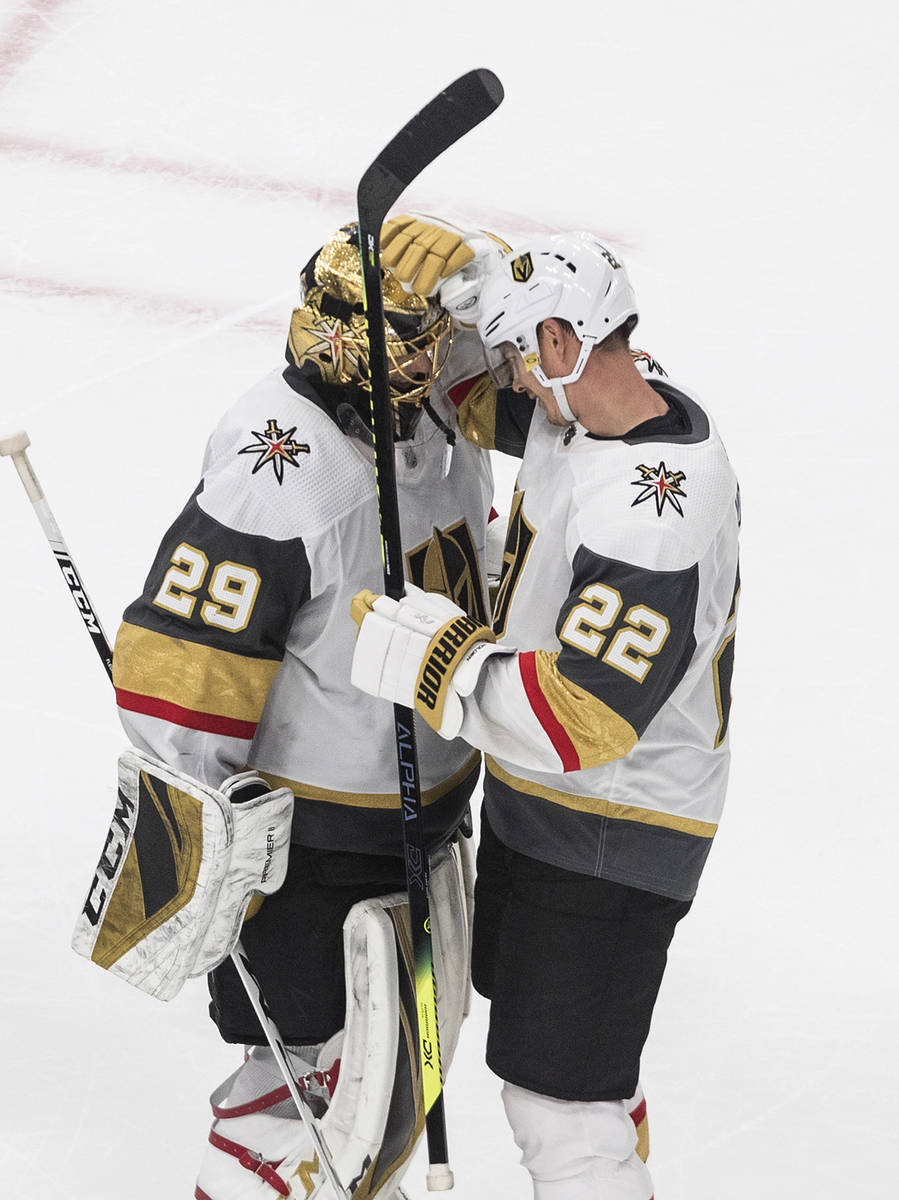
{"x": 599, "y": 807}
{"x": 373, "y": 799}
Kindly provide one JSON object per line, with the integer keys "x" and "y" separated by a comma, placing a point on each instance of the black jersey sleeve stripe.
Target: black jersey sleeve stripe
{"x": 627, "y": 633}
{"x": 225, "y": 589}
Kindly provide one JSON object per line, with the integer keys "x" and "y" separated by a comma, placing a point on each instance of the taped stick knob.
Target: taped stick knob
{"x": 440, "y": 1177}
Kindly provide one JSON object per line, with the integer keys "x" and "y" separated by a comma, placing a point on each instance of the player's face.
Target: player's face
{"x": 410, "y": 371}
{"x": 523, "y": 381}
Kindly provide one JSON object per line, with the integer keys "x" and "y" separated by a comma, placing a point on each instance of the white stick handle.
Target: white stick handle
{"x": 15, "y": 446}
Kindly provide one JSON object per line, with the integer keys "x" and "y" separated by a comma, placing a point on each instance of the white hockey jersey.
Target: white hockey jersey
{"x": 606, "y": 733}
{"x": 238, "y": 651}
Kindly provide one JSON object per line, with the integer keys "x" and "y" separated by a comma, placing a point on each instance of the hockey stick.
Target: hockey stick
{"x": 15, "y": 447}
{"x": 451, "y": 114}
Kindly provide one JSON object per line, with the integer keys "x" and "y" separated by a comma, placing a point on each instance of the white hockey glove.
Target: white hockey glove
{"x": 422, "y": 651}
{"x": 433, "y": 257}
{"x": 181, "y": 863}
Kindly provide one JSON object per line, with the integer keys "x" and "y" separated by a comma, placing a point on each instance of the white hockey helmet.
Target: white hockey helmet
{"x": 571, "y": 276}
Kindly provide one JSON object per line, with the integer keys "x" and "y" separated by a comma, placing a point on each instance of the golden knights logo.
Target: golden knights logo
{"x": 519, "y": 538}
{"x": 275, "y": 446}
{"x": 661, "y": 485}
{"x": 448, "y": 563}
{"x": 522, "y": 268}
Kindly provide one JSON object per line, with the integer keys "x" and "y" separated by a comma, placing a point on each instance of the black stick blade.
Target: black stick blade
{"x": 461, "y": 106}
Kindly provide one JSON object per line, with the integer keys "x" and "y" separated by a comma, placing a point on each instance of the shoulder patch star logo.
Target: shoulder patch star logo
{"x": 661, "y": 485}
{"x": 275, "y": 446}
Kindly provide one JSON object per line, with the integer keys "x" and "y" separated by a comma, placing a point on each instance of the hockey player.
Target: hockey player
{"x": 237, "y": 655}
{"x": 601, "y": 696}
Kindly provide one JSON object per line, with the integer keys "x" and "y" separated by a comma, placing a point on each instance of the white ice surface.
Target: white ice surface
{"x": 166, "y": 171}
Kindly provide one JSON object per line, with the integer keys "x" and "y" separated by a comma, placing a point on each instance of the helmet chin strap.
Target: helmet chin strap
{"x": 562, "y": 400}
{"x": 558, "y": 383}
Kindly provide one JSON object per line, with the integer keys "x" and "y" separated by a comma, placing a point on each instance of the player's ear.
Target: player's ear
{"x": 553, "y": 336}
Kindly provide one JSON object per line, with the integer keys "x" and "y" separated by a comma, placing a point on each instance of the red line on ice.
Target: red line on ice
{"x": 124, "y": 163}
{"x": 24, "y": 36}
{"x": 168, "y": 306}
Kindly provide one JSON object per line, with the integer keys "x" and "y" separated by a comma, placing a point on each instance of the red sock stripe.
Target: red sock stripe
{"x": 638, "y": 1116}
{"x": 554, "y": 730}
{"x": 187, "y": 718}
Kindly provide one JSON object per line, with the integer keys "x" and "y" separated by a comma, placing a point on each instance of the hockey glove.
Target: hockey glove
{"x": 180, "y": 865}
{"x": 422, "y": 651}
{"x": 429, "y": 256}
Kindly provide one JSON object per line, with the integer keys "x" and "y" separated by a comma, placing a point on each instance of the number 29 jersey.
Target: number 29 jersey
{"x": 237, "y": 653}
{"x": 606, "y": 733}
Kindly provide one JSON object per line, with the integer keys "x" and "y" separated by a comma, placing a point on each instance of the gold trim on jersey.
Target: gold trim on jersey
{"x": 520, "y": 536}
{"x": 597, "y": 732}
{"x": 476, "y": 414}
{"x": 599, "y": 807}
{"x": 193, "y": 676}
{"x": 372, "y": 799}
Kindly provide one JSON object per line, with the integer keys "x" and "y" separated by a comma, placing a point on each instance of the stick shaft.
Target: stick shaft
{"x": 451, "y": 114}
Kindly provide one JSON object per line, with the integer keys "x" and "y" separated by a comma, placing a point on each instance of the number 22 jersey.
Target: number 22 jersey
{"x": 606, "y": 733}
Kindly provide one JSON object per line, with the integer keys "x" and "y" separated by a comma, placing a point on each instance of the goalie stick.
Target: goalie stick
{"x": 449, "y": 116}
{"x": 15, "y": 446}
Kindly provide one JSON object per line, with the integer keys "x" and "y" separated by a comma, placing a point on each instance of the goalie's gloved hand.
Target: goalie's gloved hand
{"x": 436, "y": 258}
{"x": 421, "y": 651}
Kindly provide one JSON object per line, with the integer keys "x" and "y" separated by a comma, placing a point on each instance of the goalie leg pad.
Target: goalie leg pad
{"x": 375, "y": 1115}
{"x": 179, "y": 868}
{"x": 577, "y": 1149}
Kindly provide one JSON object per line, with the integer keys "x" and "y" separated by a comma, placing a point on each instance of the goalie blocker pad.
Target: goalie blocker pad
{"x": 179, "y": 867}
{"x": 376, "y": 1113}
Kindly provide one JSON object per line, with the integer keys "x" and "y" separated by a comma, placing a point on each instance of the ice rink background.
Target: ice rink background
{"x": 166, "y": 170}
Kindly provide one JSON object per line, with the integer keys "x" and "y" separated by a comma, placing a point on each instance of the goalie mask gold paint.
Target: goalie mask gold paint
{"x": 328, "y": 331}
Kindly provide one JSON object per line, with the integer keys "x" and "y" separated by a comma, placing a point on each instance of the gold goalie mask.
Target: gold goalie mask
{"x": 328, "y": 338}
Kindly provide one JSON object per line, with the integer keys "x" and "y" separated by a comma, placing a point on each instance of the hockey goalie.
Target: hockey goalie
{"x": 260, "y": 798}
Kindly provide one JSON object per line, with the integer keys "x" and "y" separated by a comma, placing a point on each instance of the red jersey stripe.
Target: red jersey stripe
{"x": 554, "y": 730}
{"x": 460, "y": 390}
{"x": 186, "y": 717}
